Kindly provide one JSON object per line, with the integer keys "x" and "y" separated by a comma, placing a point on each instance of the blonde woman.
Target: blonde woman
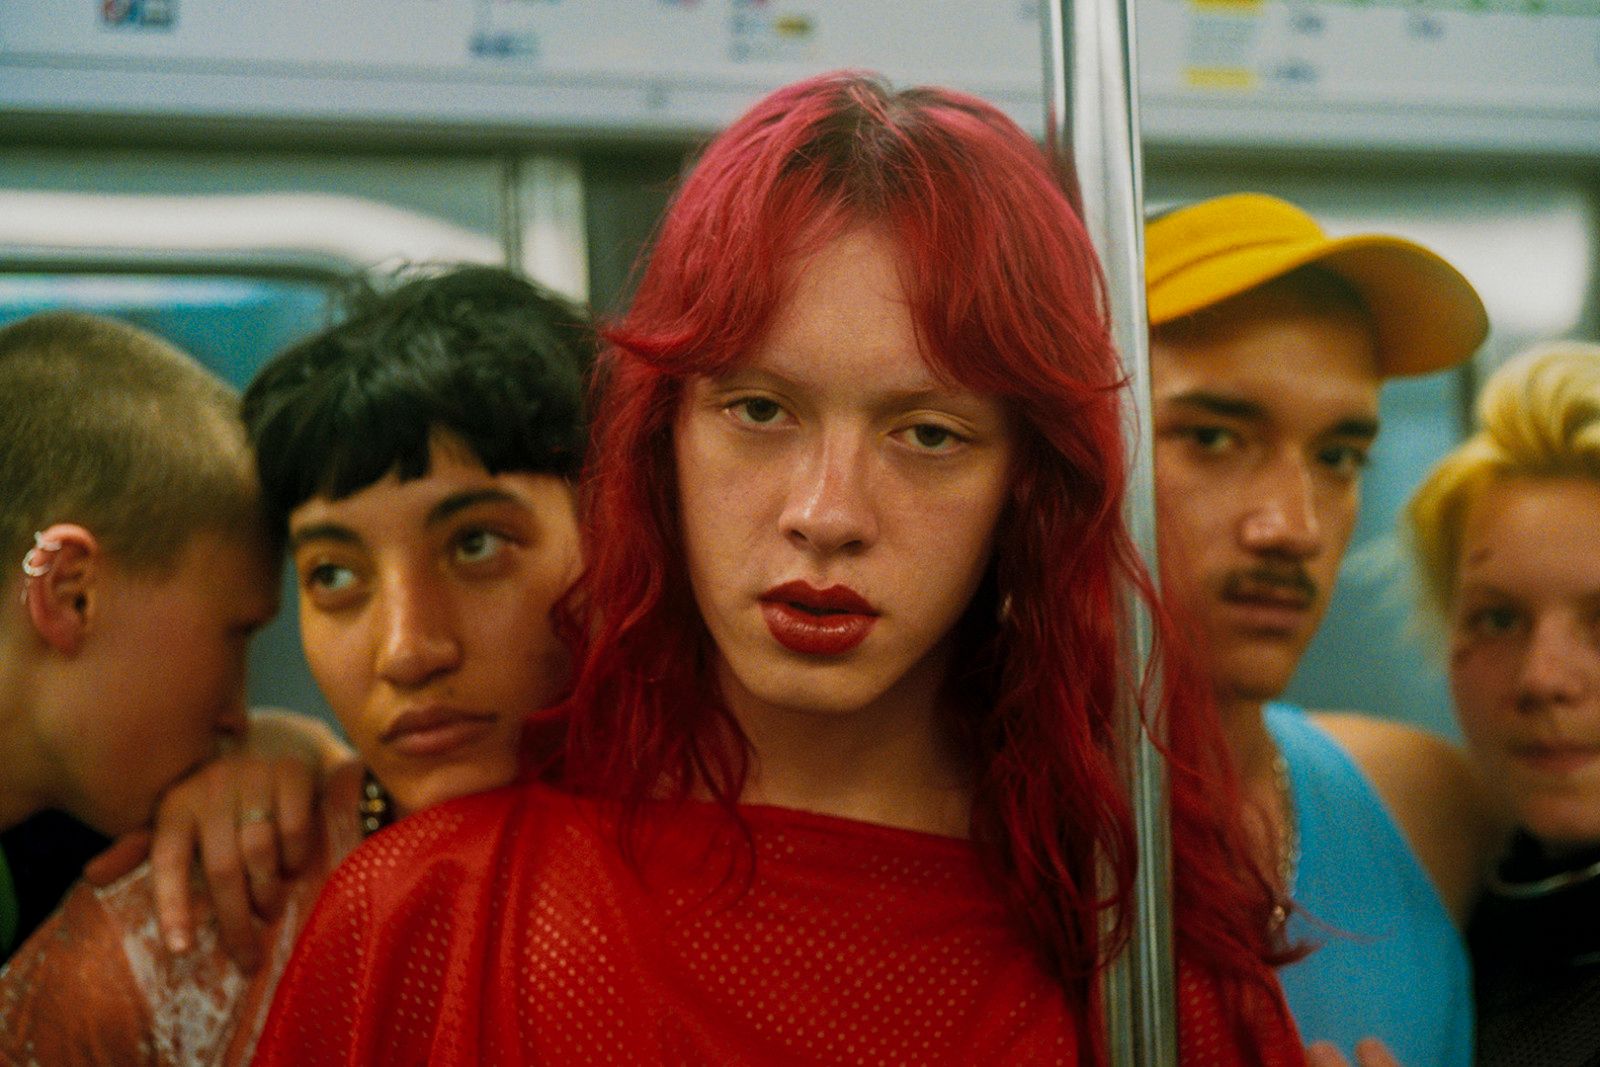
{"x": 1507, "y": 535}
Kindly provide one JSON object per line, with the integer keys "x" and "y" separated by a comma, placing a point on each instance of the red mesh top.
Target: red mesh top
{"x": 507, "y": 928}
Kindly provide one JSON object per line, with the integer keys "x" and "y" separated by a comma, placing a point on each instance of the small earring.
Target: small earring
{"x": 30, "y": 566}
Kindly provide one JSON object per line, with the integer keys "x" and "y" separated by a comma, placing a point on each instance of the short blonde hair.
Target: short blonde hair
{"x": 1538, "y": 417}
{"x": 106, "y": 425}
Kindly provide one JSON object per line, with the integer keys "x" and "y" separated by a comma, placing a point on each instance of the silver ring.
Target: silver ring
{"x": 252, "y": 815}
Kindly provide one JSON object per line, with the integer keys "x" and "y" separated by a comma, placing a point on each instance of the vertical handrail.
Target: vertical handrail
{"x": 1091, "y": 112}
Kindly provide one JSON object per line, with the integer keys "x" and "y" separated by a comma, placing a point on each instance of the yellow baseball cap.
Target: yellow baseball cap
{"x": 1426, "y": 315}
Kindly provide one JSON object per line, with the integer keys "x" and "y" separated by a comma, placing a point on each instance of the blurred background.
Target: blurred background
{"x": 210, "y": 170}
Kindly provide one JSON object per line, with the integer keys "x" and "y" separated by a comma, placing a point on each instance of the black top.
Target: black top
{"x": 46, "y": 854}
{"x": 1535, "y": 941}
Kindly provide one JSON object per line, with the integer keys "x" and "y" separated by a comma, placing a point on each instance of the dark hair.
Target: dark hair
{"x": 496, "y": 360}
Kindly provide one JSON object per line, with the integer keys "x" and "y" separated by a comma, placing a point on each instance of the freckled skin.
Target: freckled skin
{"x": 834, "y": 457}
{"x": 1525, "y": 651}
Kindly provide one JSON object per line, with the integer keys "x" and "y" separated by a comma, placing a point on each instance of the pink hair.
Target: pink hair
{"x": 1008, "y": 300}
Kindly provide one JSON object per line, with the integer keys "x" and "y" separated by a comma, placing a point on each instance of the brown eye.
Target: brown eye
{"x": 477, "y": 545}
{"x": 756, "y": 409}
{"x": 1344, "y": 460}
{"x": 330, "y": 578}
{"x": 1213, "y": 439}
{"x": 330, "y": 586}
{"x": 930, "y": 438}
{"x": 1494, "y": 621}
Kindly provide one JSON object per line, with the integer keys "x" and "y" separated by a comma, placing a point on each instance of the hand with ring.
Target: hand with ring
{"x": 250, "y": 818}
{"x": 253, "y": 815}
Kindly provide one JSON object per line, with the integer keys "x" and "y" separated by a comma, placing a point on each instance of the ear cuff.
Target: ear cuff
{"x": 33, "y": 563}
{"x": 37, "y": 561}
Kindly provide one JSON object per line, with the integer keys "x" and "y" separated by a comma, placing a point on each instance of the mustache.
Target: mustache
{"x": 1280, "y": 580}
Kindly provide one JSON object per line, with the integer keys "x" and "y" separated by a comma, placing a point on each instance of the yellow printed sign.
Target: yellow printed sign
{"x": 1220, "y": 78}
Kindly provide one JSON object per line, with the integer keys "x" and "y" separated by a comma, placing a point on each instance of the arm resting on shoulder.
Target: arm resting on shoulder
{"x": 250, "y": 818}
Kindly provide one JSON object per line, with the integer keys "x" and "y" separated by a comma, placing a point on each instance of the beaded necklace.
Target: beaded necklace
{"x": 376, "y": 809}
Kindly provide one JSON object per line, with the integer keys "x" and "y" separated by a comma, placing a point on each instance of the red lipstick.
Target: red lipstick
{"x": 817, "y": 622}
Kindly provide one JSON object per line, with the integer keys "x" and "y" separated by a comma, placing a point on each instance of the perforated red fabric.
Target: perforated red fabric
{"x": 508, "y": 929}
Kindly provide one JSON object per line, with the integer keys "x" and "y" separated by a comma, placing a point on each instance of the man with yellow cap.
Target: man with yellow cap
{"x": 1269, "y": 340}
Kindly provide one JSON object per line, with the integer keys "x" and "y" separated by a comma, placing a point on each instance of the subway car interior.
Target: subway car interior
{"x": 209, "y": 172}
{"x": 213, "y": 172}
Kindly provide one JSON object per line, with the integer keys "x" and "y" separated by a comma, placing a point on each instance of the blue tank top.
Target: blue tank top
{"x": 1389, "y": 963}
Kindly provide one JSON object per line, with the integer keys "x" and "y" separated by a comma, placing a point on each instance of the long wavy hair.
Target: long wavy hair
{"x": 1008, "y": 300}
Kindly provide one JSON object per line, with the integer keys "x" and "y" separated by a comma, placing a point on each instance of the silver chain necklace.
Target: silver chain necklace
{"x": 1288, "y": 839}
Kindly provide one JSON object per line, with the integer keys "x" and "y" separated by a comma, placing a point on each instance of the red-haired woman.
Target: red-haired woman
{"x": 837, "y": 782}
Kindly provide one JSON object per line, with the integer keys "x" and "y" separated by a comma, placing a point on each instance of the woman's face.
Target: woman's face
{"x": 838, "y": 502}
{"x": 425, "y": 612}
{"x": 1525, "y": 651}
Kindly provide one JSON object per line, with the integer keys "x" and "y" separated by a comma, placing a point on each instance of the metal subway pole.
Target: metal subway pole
{"x": 1091, "y": 112}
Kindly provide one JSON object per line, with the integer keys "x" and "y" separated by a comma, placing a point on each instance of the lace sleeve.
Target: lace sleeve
{"x": 95, "y": 985}
{"x": 69, "y": 996}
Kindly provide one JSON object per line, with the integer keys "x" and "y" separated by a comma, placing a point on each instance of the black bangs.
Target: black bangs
{"x": 478, "y": 353}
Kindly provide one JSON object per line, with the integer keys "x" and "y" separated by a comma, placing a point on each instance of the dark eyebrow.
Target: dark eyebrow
{"x": 1230, "y": 407}
{"x": 440, "y": 512}
{"x": 459, "y": 502}
{"x": 1233, "y": 407}
{"x": 1365, "y": 429}
{"x": 322, "y": 531}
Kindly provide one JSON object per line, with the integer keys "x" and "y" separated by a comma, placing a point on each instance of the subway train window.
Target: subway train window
{"x": 233, "y": 257}
{"x": 232, "y": 325}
